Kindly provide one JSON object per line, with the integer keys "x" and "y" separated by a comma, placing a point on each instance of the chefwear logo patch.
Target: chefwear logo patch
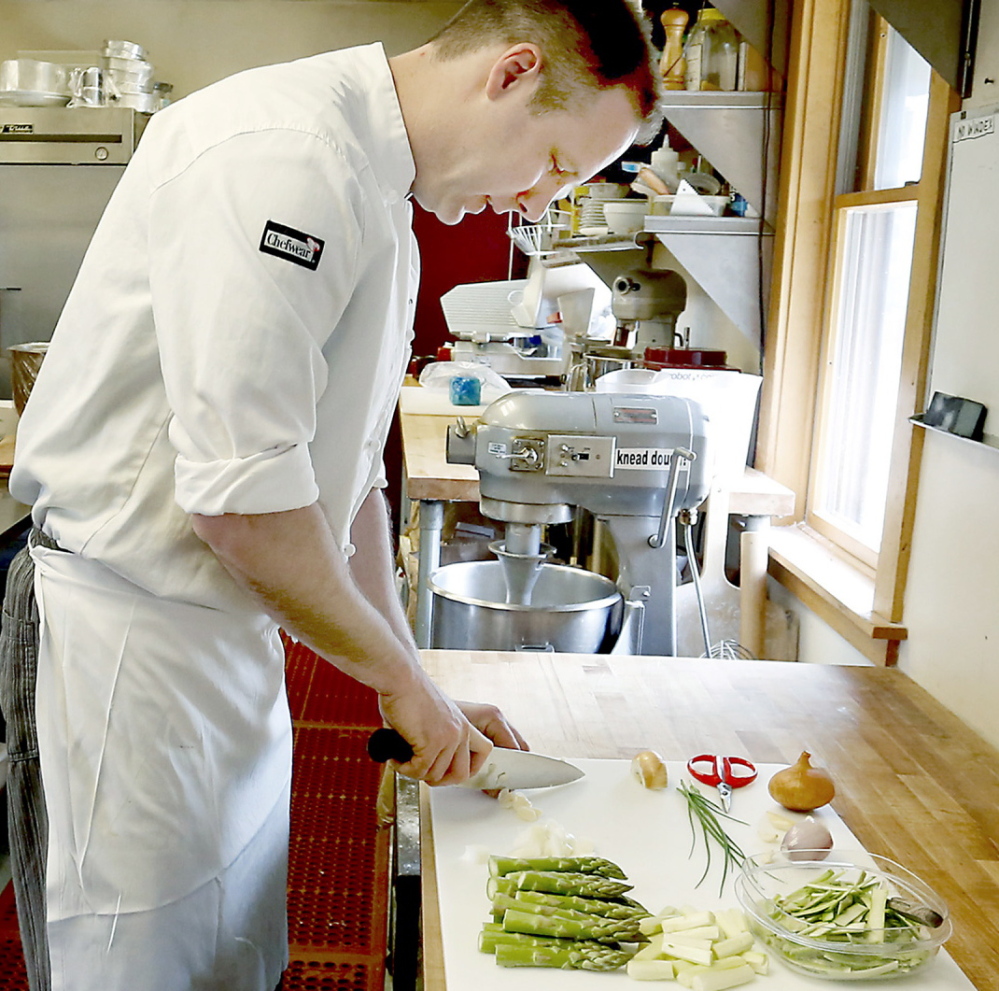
{"x": 294, "y": 246}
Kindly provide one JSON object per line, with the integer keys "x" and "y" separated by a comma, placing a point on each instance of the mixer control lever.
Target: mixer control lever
{"x": 669, "y": 500}
{"x": 528, "y": 454}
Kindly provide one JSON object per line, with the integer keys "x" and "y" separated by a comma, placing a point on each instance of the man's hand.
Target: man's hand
{"x": 450, "y": 748}
{"x": 488, "y": 719}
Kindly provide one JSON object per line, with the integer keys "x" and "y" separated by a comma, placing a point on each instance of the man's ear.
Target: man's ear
{"x": 519, "y": 66}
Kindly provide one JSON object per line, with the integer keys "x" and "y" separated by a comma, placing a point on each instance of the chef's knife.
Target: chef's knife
{"x": 503, "y": 768}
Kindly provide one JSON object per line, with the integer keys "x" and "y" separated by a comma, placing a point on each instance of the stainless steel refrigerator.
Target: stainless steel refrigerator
{"x": 58, "y": 168}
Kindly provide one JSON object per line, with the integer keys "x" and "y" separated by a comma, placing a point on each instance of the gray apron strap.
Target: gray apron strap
{"x": 26, "y": 816}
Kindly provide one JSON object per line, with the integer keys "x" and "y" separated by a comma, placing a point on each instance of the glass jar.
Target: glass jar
{"x": 712, "y": 53}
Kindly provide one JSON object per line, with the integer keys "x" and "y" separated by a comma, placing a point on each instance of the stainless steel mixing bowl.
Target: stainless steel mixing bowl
{"x": 571, "y": 611}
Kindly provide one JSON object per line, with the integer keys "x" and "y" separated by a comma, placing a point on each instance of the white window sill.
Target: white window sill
{"x": 839, "y": 591}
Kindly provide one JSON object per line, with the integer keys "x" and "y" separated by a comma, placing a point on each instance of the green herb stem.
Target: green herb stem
{"x": 706, "y": 814}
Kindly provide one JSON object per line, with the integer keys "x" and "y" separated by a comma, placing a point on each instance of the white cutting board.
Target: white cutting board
{"x": 647, "y": 834}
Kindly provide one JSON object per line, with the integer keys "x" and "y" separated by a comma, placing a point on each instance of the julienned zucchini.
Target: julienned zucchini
{"x": 855, "y": 913}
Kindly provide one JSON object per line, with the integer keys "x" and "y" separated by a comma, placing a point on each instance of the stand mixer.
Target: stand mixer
{"x": 632, "y": 461}
{"x": 646, "y": 304}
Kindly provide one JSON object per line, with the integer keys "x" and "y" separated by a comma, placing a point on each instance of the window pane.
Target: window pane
{"x": 902, "y": 127}
{"x": 868, "y": 329}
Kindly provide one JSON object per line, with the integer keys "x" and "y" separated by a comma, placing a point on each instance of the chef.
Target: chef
{"x": 202, "y": 452}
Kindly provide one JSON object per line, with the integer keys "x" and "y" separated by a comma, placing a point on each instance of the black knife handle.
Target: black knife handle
{"x": 387, "y": 744}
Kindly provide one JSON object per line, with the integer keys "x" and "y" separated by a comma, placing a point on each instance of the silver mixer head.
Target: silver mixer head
{"x": 646, "y": 294}
{"x": 538, "y": 454}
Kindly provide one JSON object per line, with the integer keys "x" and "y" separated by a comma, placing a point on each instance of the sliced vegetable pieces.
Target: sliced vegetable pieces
{"x": 854, "y": 911}
{"x": 704, "y": 951}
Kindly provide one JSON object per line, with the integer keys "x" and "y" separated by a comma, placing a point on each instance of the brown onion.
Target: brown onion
{"x": 801, "y": 787}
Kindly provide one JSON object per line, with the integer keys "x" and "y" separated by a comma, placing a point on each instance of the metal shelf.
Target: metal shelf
{"x": 989, "y": 441}
{"x": 731, "y": 130}
{"x": 738, "y": 226}
{"x": 718, "y": 100}
{"x": 723, "y": 255}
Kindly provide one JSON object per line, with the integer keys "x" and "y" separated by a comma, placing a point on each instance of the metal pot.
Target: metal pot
{"x": 571, "y": 611}
{"x": 25, "y": 364}
{"x": 600, "y": 361}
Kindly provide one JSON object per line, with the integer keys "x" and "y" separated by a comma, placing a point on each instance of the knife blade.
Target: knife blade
{"x": 504, "y": 768}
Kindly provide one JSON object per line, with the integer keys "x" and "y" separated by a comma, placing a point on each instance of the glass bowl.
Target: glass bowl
{"x": 794, "y": 907}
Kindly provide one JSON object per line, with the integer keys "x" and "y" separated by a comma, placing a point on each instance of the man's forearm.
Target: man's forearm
{"x": 373, "y": 565}
{"x": 290, "y": 561}
{"x": 292, "y": 564}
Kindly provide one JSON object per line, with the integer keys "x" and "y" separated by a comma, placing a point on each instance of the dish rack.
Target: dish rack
{"x": 538, "y": 239}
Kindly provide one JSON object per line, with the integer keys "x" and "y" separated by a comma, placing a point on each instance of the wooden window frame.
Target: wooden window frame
{"x": 804, "y": 254}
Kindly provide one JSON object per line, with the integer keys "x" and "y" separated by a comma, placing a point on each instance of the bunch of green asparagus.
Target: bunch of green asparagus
{"x": 567, "y": 912}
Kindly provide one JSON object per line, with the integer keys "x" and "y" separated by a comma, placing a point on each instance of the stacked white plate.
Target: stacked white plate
{"x": 26, "y": 82}
{"x": 592, "y": 219}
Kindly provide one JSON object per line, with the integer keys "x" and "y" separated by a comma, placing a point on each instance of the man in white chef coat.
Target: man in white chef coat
{"x": 202, "y": 451}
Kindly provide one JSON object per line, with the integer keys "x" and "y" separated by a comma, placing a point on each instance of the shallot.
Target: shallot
{"x": 807, "y": 840}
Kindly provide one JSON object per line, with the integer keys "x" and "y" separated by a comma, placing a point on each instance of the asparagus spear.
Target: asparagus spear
{"x": 592, "y": 927}
{"x": 502, "y": 902}
{"x": 571, "y": 956}
{"x": 626, "y": 908}
{"x": 489, "y": 939}
{"x": 499, "y": 866}
{"x": 570, "y": 883}
{"x": 501, "y": 886}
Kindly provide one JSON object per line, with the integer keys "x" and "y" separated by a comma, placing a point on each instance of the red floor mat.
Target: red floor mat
{"x": 338, "y": 861}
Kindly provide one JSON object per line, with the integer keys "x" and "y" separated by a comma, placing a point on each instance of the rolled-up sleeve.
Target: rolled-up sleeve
{"x": 260, "y": 483}
{"x": 240, "y": 329}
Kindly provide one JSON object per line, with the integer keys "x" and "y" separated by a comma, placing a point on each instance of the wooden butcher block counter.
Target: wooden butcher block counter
{"x": 913, "y": 782}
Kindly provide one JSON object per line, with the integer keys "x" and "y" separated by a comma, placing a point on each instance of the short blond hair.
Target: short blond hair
{"x": 585, "y": 44}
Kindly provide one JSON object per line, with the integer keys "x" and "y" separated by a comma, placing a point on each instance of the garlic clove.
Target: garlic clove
{"x": 649, "y": 770}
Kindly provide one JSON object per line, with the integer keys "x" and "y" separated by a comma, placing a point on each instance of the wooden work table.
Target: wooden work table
{"x": 432, "y": 481}
{"x": 913, "y": 783}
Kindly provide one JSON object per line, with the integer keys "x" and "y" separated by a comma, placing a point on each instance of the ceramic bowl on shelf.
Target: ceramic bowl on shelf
{"x": 626, "y": 216}
{"x": 804, "y": 911}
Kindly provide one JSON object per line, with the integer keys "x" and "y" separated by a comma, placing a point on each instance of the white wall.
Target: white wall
{"x": 818, "y": 642}
{"x": 195, "y": 42}
{"x": 952, "y": 597}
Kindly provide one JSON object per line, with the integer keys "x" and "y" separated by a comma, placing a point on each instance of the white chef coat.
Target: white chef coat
{"x": 194, "y": 372}
{"x": 234, "y": 344}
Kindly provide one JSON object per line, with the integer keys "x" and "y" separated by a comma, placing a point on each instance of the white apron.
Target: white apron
{"x": 165, "y": 747}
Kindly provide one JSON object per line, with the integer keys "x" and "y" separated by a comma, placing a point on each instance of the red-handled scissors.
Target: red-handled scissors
{"x": 720, "y": 773}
